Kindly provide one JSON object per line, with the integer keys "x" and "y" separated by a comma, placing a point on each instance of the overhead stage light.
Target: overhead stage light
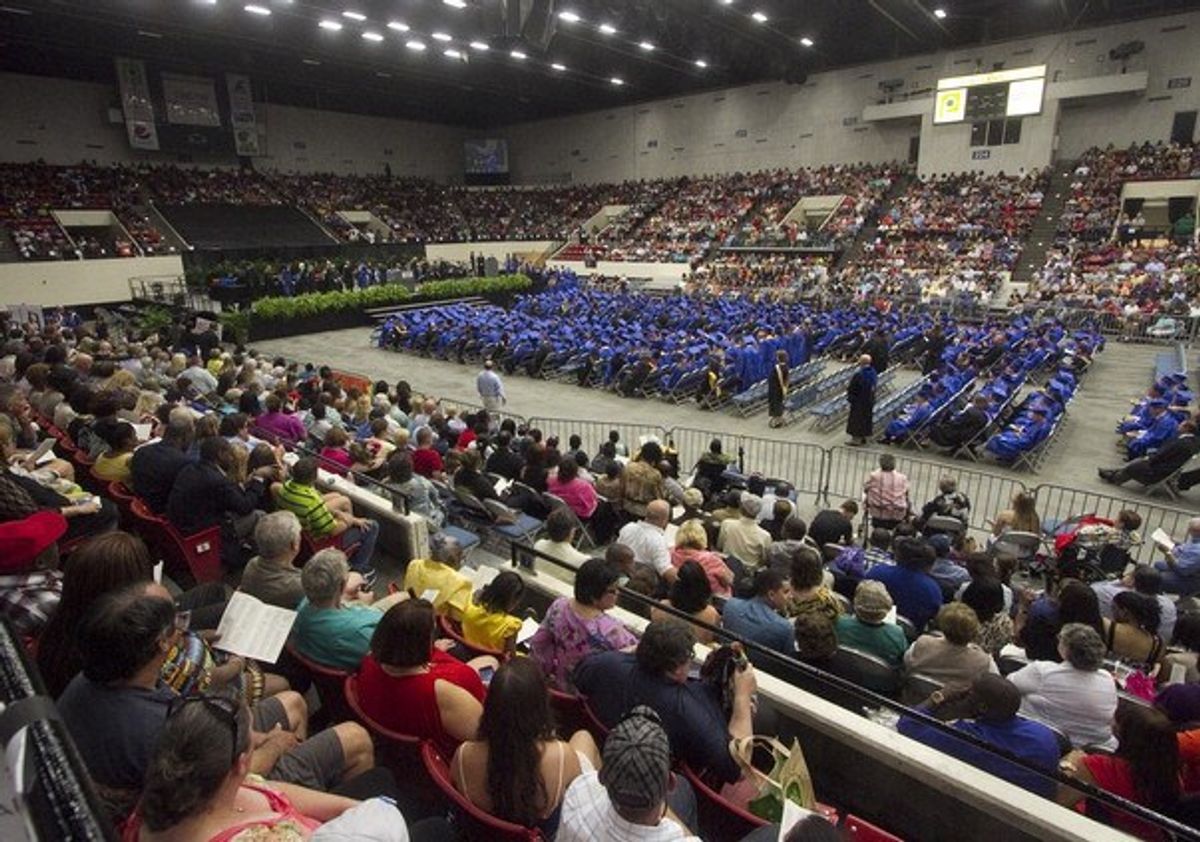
{"x": 569, "y": 17}
{"x": 558, "y": 67}
{"x": 760, "y": 17}
{"x": 608, "y": 29}
{"x": 331, "y": 25}
{"x": 480, "y": 45}
{"x": 415, "y": 46}
{"x": 647, "y": 46}
{"x": 358, "y": 16}
{"x": 518, "y": 55}
{"x": 806, "y": 41}
{"x": 452, "y": 53}
{"x": 617, "y": 80}
{"x": 457, "y": 4}
{"x": 442, "y": 36}
{"x": 257, "y": 10}
{"x": 940, "y": 14}
{"x": 701, "y": 63}
{"x": 372, "y": 36}
{"x": 397, "y": 26}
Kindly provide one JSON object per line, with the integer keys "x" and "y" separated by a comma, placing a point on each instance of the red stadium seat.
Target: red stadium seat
{"x": 401, "y": 753}
{"x": 330, "y": 684}
{"x": 199, "y": 554}
{"x": 476, "y": 824}
{"x": 863, "y": 831}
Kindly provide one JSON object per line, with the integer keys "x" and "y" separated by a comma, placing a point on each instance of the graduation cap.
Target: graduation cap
{"x": 1157, "y": 403}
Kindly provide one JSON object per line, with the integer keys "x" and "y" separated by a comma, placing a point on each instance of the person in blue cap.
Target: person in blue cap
{"x": 1021, "y": 436}
{"x": 910, "y": 418}
{"x": 1162, "y": 428}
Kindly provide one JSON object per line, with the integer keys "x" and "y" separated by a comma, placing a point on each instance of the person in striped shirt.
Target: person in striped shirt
{"x": 323, "y": 515}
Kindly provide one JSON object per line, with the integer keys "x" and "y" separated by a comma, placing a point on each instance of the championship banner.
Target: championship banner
{"x": 190, "y": 100}
{"x": 136, "y": 104}
{"x": 241, "y": 114}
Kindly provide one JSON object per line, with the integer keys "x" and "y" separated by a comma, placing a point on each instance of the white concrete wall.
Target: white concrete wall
{"x": 672, "y": 272}
{"x": 65, "y": 121}
{"x": 50, "y": 283}
{"x": 821, "y": 121}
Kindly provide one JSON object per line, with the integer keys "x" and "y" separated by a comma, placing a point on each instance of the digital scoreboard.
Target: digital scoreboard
{"x": 990, "y": 96}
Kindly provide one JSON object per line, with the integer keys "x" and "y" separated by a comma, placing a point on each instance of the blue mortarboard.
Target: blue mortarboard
{"x": 1157, "y": 403}
{"x": 1176, "y": 377}
{"x": 1183, "y": 397}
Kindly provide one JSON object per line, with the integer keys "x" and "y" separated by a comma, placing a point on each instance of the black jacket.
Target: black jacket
{"x": 154, "y": 468}
{"x": 202, "y": 496}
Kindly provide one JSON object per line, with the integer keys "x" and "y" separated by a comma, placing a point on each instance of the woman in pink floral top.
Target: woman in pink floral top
{"x": 574, "y": 628}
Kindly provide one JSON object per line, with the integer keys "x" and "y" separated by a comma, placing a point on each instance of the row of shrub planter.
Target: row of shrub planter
{"x": 281, "y": 316}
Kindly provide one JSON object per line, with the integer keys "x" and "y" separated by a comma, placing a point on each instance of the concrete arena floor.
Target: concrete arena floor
{"x": 1121, "y": 372}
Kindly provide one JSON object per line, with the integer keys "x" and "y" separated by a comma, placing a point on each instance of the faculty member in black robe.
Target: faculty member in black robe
{"x": 860, "y": 394}
{"x": 777, "y": 388}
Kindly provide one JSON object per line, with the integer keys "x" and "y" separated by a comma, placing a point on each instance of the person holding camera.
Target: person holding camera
{"x": 700, "y": 716}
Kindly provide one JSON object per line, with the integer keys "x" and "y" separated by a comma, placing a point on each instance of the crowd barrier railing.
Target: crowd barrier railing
{"x": 847, "y": 469}
{"x": 783, "y": 681}
{"x": 1056, "y": 503}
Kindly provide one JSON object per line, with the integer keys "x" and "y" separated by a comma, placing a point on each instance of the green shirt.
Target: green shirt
{"x": 885, "y": 641}
{"x": 309, "y": 506}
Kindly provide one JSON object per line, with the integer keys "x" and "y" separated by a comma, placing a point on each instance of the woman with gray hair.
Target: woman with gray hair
{"x": 272, "y": 575}
{"x": 1077, "y": 696}
{"x": 328, "y": 629}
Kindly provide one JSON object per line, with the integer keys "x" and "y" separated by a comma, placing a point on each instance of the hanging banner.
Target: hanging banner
{"x": 136, "y": 104}
{"x": 241, "y": 114}
{"x": 190, "y": 100}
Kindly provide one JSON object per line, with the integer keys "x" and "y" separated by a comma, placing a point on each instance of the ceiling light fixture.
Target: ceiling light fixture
{"x": 452, "y": 53}
{"x": 331, "y": 25}
{"x": 569, "y": 17}
{"x": 372, "y": 36}
{"x": 457, "y": 4}
{"x": 760, "y": 17}
{"x": 146, "y": 33}
{"x": 940, "y": 14}
{"x": 441, "y": 36}
{"x": 397, "y": 26}
{"x": 415, "y": 45}
{"x": 480, "y": 45}
{"x": 13, "y": 10}
{"x": 607, "y": 29}
{"x": 358, "y": 16}
{"x": 257, "y": 10}
{"x": 518, "y": 55}
{"x": 311, "y": 61}
{"x": 617, "y": 80}
{"x": 727, "y": 2}
{"x": 646, "y": 45}
{"x": 558, "y": 67}
{"x": 701, "y": 63}
{"x": 806, "y": 41}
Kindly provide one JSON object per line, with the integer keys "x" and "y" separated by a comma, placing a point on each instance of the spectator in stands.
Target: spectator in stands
{"x": 328, "y": 629}
{"x": 1160, "y": 463}
{"x": 691, "y": 544}
{"x": 834, "y": 526}
{"x": 759, "y": 619}
{"x": 560, "y": 535}
{"x": 1144, "y": 580}
{"x": 1039, "y": 619}
{"x": 272, "y": 575}
{"x": 277, "y": 424}
{"x": 886, "y": 494}
{"x": 409, "y": 685}
{"x": 611, "y": 484}
{"x": 505, "y": 461}
{"x": 327, "y": 515}
{"x": 30, "y": 584}
{"x": 657, "y": 676}
{"x": 199, "y": 738}
{"x": 578, "y": 494}
{"x": 1181, "y": 566}
{"x": 575, "y": 627}
{"x": 985, "y": 596}
{"x": 742, "y": 537}
{"x": 406, "y": 487}
{"x": 950, "y": 502}
{"x": 1076, "y": 696}
{"x": 1021, "y": 517}
{"x": 634, "y": 796}
{"x": 441, "y": 575}
{"x": 489, "y": 620}
{"x": 22, "y": 495}
{"x": 210, "y": 493}
{"x": 516, "y": 768}
{"x": 199, "y": 377}
{"x": 116, "y": 708}
{"x": 426, "y": 460}
{"x": 643, "y": 483}
{"x": 867, "y": 629}
{"x": 1132, "y": 633}
{"x": 951, "y": 656}
{"x": 648, "y": 539}
{"x": 691, "y": 594}
{"x": 781, "y": 511}
{"x": 1144, "y": 768}
{"x": 987, "y": 710}
{"x": 113, "y": 466}
{"x": 154, "y": 466}
{"x": 945, "y": 571}
{"x": 917, "y": 596}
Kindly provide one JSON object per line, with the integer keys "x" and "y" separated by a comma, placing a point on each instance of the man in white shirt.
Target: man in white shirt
{"x": 490, "y": 387}
{"x": 560, "y": 532}
{"x": 199, "y": 376}
{"x": 627, "y": 800}
{"x": 742, "y": 536}
{"x": 648, "y": 539}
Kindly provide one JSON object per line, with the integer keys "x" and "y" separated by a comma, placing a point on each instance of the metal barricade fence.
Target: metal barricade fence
{"x": 471, "y": 408}
{"x": 595, "y": 433}
{"x": 1056, "y": 503}
{"x": 1160, "y": 328}
{"x": 847, "y": 469}
{"x": 800, "y": 463}
{"x": 692, "y": 443}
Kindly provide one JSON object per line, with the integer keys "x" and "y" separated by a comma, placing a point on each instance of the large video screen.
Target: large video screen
{"x": 990, "y": 96}
{"x": 488, "y": 156}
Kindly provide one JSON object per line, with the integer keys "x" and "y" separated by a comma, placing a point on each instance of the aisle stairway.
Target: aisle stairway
{"x": 866, "y": 234}
{"x": 1041, "y": 235}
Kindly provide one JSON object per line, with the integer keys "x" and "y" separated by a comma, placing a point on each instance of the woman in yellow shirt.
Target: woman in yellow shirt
{"x": 488, "y": 621}
{"x": 113, "y": 466}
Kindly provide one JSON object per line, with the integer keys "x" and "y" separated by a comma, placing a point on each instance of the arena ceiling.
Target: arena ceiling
{"x": 470, "y": 62}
